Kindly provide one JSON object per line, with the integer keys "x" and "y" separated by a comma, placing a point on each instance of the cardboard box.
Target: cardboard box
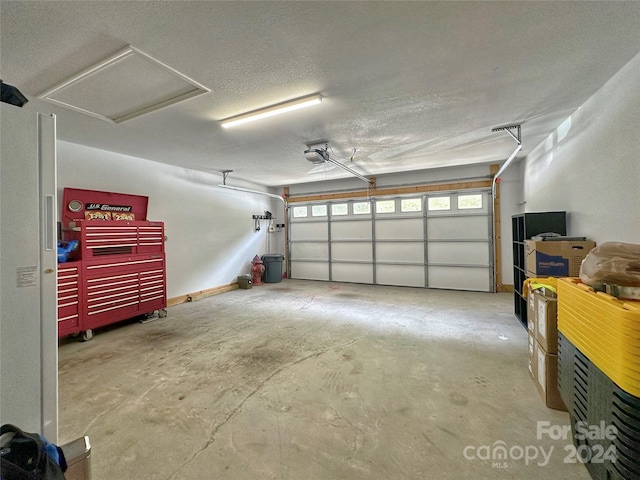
{"x": 555, "y": 258}
{"x": 532, "y": 361}
{"x": 546, "y": 322}
{"x": 531, "y": 310}
{"x": 546, "y": 377}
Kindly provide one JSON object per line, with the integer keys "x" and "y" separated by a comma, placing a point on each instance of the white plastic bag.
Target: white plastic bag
{"x": 613, "y": 263}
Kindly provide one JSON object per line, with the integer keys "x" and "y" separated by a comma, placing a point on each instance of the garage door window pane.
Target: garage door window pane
{"x": 361, "y": 208}
{"x": 439, "y": 203}
{"x": 340, "y": 209}
{"x": 469, "y": 201}
{"x": 299, "y": 212}
{"x": 386, "y": 206}
{"x": 411, "y": 205}
{"x": 319, "y": 211}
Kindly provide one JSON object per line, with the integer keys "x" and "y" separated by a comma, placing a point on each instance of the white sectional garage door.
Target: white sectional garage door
{"x": 438, "y": 241}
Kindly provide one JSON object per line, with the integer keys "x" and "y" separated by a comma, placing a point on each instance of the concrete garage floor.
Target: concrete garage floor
{"x": 311, "y": 380}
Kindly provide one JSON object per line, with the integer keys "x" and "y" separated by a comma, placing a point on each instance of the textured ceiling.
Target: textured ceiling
{"x": 410, "y": 85}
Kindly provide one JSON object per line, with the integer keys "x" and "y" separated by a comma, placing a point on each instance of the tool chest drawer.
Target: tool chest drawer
{"x": 123, "y": 287}
{"x": 69, "y": 282}
{"x": 98, "y": 239}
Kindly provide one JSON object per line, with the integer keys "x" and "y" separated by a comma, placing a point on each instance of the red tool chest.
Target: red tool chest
{"x": 120, "y": 270}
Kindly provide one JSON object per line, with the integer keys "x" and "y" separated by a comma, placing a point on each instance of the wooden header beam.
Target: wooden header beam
{"x": 374, "y": 192}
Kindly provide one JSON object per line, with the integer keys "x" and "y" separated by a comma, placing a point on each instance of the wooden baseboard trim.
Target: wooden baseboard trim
{"x": 199, "y": 295}
{"x": 504, "y": 288}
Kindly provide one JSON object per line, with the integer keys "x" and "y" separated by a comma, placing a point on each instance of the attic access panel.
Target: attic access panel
{"x": 125, "y": 85}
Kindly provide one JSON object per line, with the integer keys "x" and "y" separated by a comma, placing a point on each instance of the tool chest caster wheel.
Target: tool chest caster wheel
{"x": 87, "y": 335}
{"x": 162, "y": 313}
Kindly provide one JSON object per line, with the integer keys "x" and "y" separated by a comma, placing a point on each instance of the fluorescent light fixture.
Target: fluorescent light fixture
{"x": 272, "y": 110}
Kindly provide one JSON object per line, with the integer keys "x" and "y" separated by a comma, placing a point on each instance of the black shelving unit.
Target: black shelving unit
{"x": 523, "y": 227}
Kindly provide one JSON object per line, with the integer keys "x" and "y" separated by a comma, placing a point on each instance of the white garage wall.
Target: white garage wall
{"x": 511, "y": 203}
{"x": 590, "y": 166}
{"x": 211, "y": 237}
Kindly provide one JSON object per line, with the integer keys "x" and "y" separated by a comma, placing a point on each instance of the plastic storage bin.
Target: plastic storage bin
{"x": 595, "y": 401}
{"x": 273, "y": 267}
{"x": 606, "y": 330}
